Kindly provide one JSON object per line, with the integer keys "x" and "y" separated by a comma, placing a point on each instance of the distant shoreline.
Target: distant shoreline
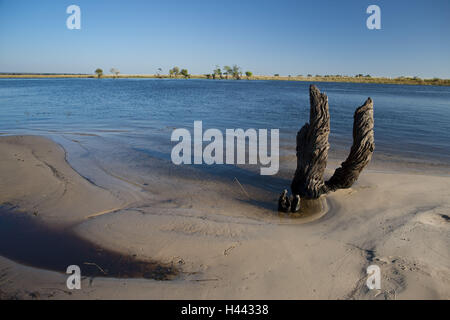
{"x": 401, "y": 80}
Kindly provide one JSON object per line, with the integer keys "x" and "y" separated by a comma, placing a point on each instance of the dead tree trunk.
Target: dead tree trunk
{"x": 312, "y": 153}
{"x": 312, "y": 148}
{"x": 361, "y": 151}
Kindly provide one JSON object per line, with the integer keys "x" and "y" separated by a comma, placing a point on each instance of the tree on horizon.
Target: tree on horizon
{"x": 99, "y": 72}
{"x": 236, "y": 72}
{"x": 175, "y": 71}
{"x": 185, "y": 73}
{"x": 217, "y": 72}
{"x": 228, "y": 71}
{"x": 115, "y": 72}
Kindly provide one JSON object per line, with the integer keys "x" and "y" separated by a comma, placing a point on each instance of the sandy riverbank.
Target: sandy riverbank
{"x": 226, "y": 245}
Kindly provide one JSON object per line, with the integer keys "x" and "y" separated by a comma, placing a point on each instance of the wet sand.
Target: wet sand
{"x": 226, "y": 241}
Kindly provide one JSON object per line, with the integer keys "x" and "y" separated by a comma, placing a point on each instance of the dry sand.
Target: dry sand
{"x": 227, "y": 243}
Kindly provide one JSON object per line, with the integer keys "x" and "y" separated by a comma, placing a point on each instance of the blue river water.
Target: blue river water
{"x": 410, "y": 121}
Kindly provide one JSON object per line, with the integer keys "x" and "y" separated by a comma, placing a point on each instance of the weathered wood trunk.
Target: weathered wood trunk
{"x": 312, "y": 153}
{"x": 361, "y": 151}
{"x": 312, "y": 148}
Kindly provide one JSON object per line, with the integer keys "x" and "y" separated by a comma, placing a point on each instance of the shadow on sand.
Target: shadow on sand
{"x": 24, "y": 239}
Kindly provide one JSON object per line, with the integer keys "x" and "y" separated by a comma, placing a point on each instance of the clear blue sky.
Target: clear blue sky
{"x": 266, "y": 37}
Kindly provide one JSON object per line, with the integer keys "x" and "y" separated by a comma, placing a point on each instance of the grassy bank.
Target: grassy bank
{"x": 400, "y": 80}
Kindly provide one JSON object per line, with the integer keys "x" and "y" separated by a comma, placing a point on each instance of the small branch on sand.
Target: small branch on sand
{"x": 242, "y": 188}
{"x": 200, "y": 280}
{"x": 94, "y": 264}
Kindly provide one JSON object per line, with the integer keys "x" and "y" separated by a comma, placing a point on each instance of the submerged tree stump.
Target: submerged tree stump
{"x": 312, "y": 153}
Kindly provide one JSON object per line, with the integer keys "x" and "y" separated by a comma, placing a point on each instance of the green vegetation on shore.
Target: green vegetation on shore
{"x": 236, "y": 73}
{"x": 99, "y": 72}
